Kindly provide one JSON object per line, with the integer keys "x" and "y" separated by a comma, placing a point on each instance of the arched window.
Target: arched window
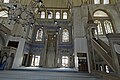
{"x": 99, "y": 27}
{"x": 104, "y": 23}
{"x": 65, "y": 35}
{"x": 106, "y": 2}
{"x": 96, "y": 1}
{"x": 64, "y": 15}
{"x": 108, "y": 27}
{"x": 39, "y": 35}
{"x": 6, "y": 1}
{"x": 57, "y": 15}
{"x": 100, "y": 13}
{"x": 4, "y": 13}
{"x": 42, "y": 14}
{"x": 50, "y": 15}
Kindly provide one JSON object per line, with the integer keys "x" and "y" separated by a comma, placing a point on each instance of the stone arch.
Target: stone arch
{"x": 101, "y": 10}
{"x": 112, "y": 13}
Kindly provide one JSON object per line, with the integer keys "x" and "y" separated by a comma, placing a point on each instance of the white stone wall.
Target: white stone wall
{"x": 80, "y": 18}
{"x": 79, "y": 33}
{"x": 19, "y": 51}
{"x": 78, "y": 26}
{"x": 80, "y": 46}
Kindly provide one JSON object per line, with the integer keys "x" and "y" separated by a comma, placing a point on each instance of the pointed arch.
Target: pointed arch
{"x": 100, "y": 13}
{"x": 39, "y": 35}
{"x": 65, "y": 35}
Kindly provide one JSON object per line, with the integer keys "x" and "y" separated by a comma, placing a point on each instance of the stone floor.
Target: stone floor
{"x": 46, "y": 74}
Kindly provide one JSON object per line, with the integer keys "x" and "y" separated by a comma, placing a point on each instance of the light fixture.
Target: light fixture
{"x": 32, "y": 24}
{"x": 18, "y": 16}
{"x": 42, "y": 27}
{"x": 39, "y": 11}
{"x": 24, "y": 15}
{"x": 48, "y": 12}
{"x": 8, "y": 7}
{"x": 56, "y": 32}
{"x": 5, "y": 34}
{"x": 54, "y": 35}
{"x": 59, "y": 27}
{"x": 39, "y": 1}
{"x": 15, "y": 6}
{"x": 55, "y": 22}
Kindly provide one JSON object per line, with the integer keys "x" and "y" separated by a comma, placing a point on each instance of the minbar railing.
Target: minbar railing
{"x": 103, "y": 53}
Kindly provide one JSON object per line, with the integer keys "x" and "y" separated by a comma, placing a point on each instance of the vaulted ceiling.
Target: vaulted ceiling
{"x": 62, "y": 3}
{"x": 58, "y": 3}
{"x": 55, "y": 3}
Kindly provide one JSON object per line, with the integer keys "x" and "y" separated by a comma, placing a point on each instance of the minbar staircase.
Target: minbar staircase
{"x": 109, "y": 54}
{"x": 103, "y": 53}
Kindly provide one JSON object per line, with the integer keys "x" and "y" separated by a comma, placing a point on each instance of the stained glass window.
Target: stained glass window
{"x": 96, "y": 1}
{"x": 39, "y": 35}
{"x": 42, "y": 14}
{"x": 108, "y": 27}
{"x": 65, "y": 35}
{"x": 65, "y": 61}
{"x": 100, "y": 13}
{"x": 6, "y": 1}
{"x": 50, "y": 15}
{"x": 106, "y": 2}
{"x": 57, "y": 15}
{"x": 64, "y": 15}
{"x": 99, "y": 27}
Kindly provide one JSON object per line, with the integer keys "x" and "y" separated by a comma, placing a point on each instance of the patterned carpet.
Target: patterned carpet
{"x": 46, "y": 74}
